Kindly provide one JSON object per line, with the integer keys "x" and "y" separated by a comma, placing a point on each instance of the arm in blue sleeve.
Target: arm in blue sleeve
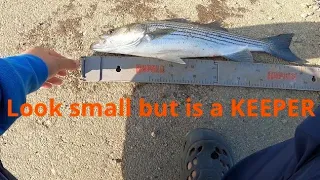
{"x": 19, "y": 76}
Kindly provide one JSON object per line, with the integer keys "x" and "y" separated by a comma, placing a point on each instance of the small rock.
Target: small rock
{"x": 316, "y": 8}
{"x": 53, "y": 171}
{"x": 306, "y": 5}
{"x": 112, "y": 161}
{"x": 311, "y": 13}
{"x": 39, "y": 121}
{"x": 63, "y": 139}
{"x": 277, "y": 6}
{"x": 153, "y": 134}
{"x": 175, "y": 95}
{"x": 117, "y": 160}
{"x": 304, "y": 15}
{"x": 270, "y": 18}
{"x": 107, "y": 141}
{"x": 47, "y": 123}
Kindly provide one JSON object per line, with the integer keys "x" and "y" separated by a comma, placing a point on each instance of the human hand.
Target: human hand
{"x": 56, "y": 63}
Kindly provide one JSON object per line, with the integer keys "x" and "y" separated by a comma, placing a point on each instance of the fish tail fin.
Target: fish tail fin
{"x": 279, "y": 46}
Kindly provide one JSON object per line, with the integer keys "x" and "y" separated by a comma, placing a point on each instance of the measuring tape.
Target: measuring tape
{"x": 200, "y": 72}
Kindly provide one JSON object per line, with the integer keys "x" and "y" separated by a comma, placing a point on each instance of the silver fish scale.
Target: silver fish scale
{"x": 202, "y": 37}
{"x": 207, "y": 32}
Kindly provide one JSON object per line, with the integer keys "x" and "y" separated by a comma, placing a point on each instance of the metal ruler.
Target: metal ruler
{"x": 200, "y": 72}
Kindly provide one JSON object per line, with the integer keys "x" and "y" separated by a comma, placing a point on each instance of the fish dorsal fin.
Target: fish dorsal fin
{"x": 181, "y": 20}
{"x": 215, "y": 25}
{"x": 212, "y": 25}
{"x": 159, "y": 33}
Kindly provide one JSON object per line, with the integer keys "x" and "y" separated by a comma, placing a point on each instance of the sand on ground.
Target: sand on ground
{"x": 133, "y": 147}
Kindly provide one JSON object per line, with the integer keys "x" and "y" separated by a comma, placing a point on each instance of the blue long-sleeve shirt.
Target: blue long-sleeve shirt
{"x": 19, "y": 76}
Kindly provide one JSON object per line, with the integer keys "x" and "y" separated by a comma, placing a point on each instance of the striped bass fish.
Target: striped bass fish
{"x": 175, "y": 40}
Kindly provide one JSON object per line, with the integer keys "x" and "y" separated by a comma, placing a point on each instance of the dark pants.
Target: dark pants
{"x": 5, "y": 174}
{"x": 295, "y": 159}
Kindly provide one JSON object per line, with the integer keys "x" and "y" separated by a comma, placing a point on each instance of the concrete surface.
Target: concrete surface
{"x": 125, "y": 148}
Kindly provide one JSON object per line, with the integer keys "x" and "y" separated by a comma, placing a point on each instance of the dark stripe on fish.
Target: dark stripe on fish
{"x": 200, "y": 35}
{"x": 217, "y": 38}
{"x": 203, "y": 29}
{"x": 213, "y": 34}
{"x": 202, "y": 38}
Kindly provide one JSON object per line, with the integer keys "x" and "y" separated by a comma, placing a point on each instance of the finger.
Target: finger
{"x": 62, "y": 73}
{"x": 54, "y": 53}
{"x": 46, "y": 85}
{"x": 68, "y": 64}
{"x": 55, "y": 81}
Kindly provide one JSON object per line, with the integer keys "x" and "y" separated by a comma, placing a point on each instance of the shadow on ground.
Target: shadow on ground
{"x": 152, "y": 145}
{"x": 306, "y": 42}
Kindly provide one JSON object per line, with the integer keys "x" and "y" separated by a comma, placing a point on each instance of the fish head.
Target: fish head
{"x": 118, "y": 39}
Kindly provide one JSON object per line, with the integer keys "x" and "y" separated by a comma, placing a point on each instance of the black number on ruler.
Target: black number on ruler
{"x": 118, "y": 69}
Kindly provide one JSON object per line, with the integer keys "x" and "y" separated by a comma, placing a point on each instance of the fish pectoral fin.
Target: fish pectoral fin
{"x": 159, "y": 33}
{"x": 172, "y": 59}
{"x": 241, "y": 56}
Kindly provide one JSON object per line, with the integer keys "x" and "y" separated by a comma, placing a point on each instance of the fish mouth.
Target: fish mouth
{"x": 100, "y": 46}
{"x": 96, "y": 46}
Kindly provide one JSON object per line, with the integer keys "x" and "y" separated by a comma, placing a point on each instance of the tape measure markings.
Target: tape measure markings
{"x": 200, "y": 72}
